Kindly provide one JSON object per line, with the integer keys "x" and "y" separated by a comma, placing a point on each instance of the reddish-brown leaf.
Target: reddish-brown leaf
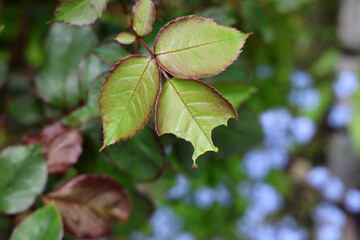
{"x": 61, "y": 145}
{"x": 87, "y": 202}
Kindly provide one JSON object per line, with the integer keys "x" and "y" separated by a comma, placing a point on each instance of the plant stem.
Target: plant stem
{"x": 151, "y": 52}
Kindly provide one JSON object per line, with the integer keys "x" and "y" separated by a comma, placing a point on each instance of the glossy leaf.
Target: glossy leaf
{"x": 90, "y": 110}
{"x": 143, "y": 17}
{"x": 22, "y": 176}
{"x": 128, "y": 97}
{"x": 57, "y": 80}
{"x": 87, "y": 202}
{"x": 80, "y": 12}
{"x": 195, "y": 47}
{"x": 125, "y": 38}
{"x": 111, "y": 52}
{"x": 191, "y": 109}
{"x": 235, "y": 92}
{"x": 61, "y": 145}
{"x": 142, "y": 157}
{"x": 44, "y": 224}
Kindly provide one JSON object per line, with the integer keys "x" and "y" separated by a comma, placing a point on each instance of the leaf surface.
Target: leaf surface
{"x": 196, "y": 47}
{"x": 57, "y": 80}
{"x": 143, "y": 17}
{"x": 142, "y": 156}
{"x": 125, "y": 38}
{"x": 87, "y": 202}
{"x": 111, "y": 52}
{"x": 191, "y": 109}
{"x": 22, "y": 176}
{"x": 235, "y": 92}
{"x": 61, "y": 145}
{"x": 128, "y": 97}
{"x": 80, "y": 12}
{"x": 44, "y": 224}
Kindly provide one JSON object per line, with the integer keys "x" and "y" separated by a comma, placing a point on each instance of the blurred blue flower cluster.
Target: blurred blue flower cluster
{"x": 303, "y": 95}
{"x": 281, "y": 131}
{"x": 344, "y": 87}
{"x": 329, "y": 222}
{"x": 203, "y": 197}
{"x": 166, "y": 225}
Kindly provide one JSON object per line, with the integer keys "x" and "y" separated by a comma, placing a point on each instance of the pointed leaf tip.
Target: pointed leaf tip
{"x": 191, "y": 109}
{"x": 194, "y": 166}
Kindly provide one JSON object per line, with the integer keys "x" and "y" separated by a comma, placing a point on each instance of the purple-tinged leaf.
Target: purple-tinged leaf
{"x": 87, "y": 202}
{"x": 61, "y": 145}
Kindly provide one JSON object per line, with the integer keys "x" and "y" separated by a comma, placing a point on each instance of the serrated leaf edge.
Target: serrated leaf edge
{"x": 206, "y": 19}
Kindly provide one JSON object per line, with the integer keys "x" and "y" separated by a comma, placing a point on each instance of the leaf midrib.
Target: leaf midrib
{"x": 17, "y": 172}
{"x": 131, "y": 98}
{"x": 196, "y": 46}
{"x": 192, "y": 116}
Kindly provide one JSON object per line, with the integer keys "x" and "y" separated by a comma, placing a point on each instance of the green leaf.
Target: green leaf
{"x": 111, "y": 52}
{"x": 191, "y": 109}
{"x": 58, "y": 81}
{"x": 44, "y": 224}
{"x": 22, "y": 176}
{"x": 142, "y": 157}
{"x": 128, "y": 97}
{"x": 235, "y": 92}
{"x": 143, "y": 17}
{"x": 196, "y": 47}
{"x": 125, "y": 38}
{"x": 80, "y": 12}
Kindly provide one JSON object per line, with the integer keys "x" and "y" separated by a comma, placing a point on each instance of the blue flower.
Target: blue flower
{"x": 333, "y": 189}
{"x": 303, "y": 129}
{"x": 256, "y": 164}
{"x": 352, "y": 201}
{"x": 301, "y": 79}
{"x": 223, "y": 195}
{"x": 291, "y": 234}
{"x": 318, "y": 176}
{"x": 165, "y": 223}
{"x": 181, "y": 189}
{"x": 204, "y": 197}
{"x": 328, "y": 232}
{"x": 326, "y": 213}
{"x": 184, "y": 236}
{"x": 346, "y": 85}
{"x": 340, "y": 115}
{"x": 265, "y": 198}
{"x": 305, "y": 99}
